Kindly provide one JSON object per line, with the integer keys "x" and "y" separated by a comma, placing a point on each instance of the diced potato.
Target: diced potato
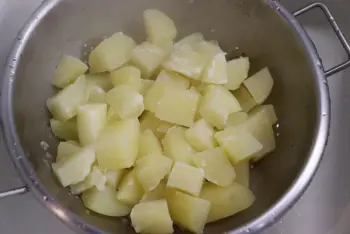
{"x": 68, "y": 70}
{"x": 112, "y": 116}
{"x": 64, "y": 130}
{"x": 201, "y": 136}
{"x": 226, "y": 201}
{"x": 216, "y": 71}
{"x": 237, "y": 72}
{"x": 239, "y": 144}
{"x": 102, "y": 80}
{"x": 113, "y": 178}
{"x": 95, "y": 179}
{"x": 75, "y": 168}
{"x": 158, "y": 127}
{"x": 173, "y": 79}
{"x": 111, "y": 53}
{"x": 209, "y": 49}
{"x": 130, "y": 191}
{"x": 187, "y": 211}
{"x": 152, "y": 217}
{"x": 178, "y": 106}
{"x": 217, "y": 104}
{"x": 91, "y": 120}
{"x": 96, "y": 94}
{"x": 66, "y": 149}
{"x": 64, "y": 105}
{"x": 117, "y": 148}
{"x": 242, "y": 173}
{"x": 149, "y": 144}
{"x": 127, "y": 75}
{"x": 176, "y": 147}
{"x": 217, "y": 168}
{"x": 145, "y": 86}
{"x": 151, "y": 170}
{"x": 159, "y": 27}
{"x": 236, "y": 119}
{"x": 125, "y": 101}
{"x": 268, "y": 112}
{"x": 244, "y": 98}
{"x": 186, "y": 178}
{"x": 104, "y": 202}
{"x": 191, "y": 40}
{"x": 260, "y": 85}
{"x": 148, "y": 58}
{"x": 156, "y": 194}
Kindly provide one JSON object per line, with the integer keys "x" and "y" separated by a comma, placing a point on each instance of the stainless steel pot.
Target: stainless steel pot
{"x": 262, "y": 29}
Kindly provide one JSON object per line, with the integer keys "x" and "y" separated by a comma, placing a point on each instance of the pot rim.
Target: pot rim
{"x": 269, "y": 217}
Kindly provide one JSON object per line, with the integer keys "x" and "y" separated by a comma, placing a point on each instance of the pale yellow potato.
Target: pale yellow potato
{"x": 117, "y": 148}
{"x": 186, "y": 178}
{"x": 91, "y": 120}
{"x": 239, "y": 144}
{"x": 95, "y": 179}
{"x": 268, "y": 112}
{"x": 158, "y": 127}
{"x": 96, "y": 94}
{"x": 217, "y": 104}
{"x": 68, "y": 70}
{"x": 236, "y": 119}
{"x": 125, "y": 101}
{"x": 159, "y": 27}
{"x": 130, "y": 190}
{"x": 216, "y": 70}
{"x": 156, "y": 194}
{"x": 66, "y": 149}
{"x": 148, "y": 57}
{"x": 149, "y": 144}
{"x": 191, "y": 40}
{"x": 226, "y": 201}
{"x": 64, "y": 130}
{"x": 151, "y": 170}
{"x": 176, "y": 147}
{"x": 152, "y": 217}
{"x": 111, "y": 53}
{"x": 201, "y": 136}
{"x": 173, "y": 79}
{"x": 237, "y": 72}
{"x": 102, "y": 80}
{"x": 178, "y": 106}
{"x": 244, "y": 98}
{"x": 104, "y": 202}
{"x": 242, "y": 173}
{"x": 64, "y": 105}
{"x": 209, "y": 49}
{"x": 217, "y": 168}
{"x": 128, "y": 75}
{"x": 112, "y": 116}
{"x": 188, "y": 212}
{"x": 145, "y": 86}
{"x": 75, "y": 168}
{"x": 260, "y": 85}
{"x": 113, "y": 178}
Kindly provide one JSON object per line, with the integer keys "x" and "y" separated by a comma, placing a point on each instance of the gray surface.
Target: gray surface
{"x": 322, "y": 210}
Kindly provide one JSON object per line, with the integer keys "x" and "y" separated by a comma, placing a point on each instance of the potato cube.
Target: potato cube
{"x": 173, "y": 79}
{"x": 242, "y": 173}
{"x": 216, "y": 71}
{"x": 64, "y": 130}
{"x": 209, "y": 49}
{"x": 156, "y": 194}
{"x": 239, "y": 144}
{"x": 158, "y": 127}
{"x": 188, "y": 212}
{"x": 117, "y": 148}
{"x": 260, "y": 85}
{"x": 236, "y": 119}
{"x": 191, "y": 40}
{"x": 201, "y": 136}
{"x": 145, "y": 86}
{"x": 75, "y": 168}
{"x": 152, "y": 217}
{"x": 176, "y": 147}
{"x": 148, "y": 57}
{"x": 237, "y": 72}
{"x": 95, "y": 179}
{"x": 244, "y": 98}
{"x": 102, "y": 80}
{"x": 159, "y": 27}
{"x": 127, "y": 75}
{"x": 113, "y": 178}
{"x": 149, "y": 144}
{"x": 64, "y": 105}
{"x": 151, "y": 170}
{"x": 226, "y": 201}
{"x": 178, "y": 106}
{"x": 91, "y": 120}
{"x": 186, "y": 178}
{"x": 66, "y": 149}
{"x": 217, "y": 104}
{"x": 104, "y": 202}
{"x": 217, "y": 168}
{"x": 68, "y": 70}
{"x": 111, "y": 53}
{"x": 268, "y": 112}
{"x": 130, "y": 191}
{"x": 125, "y": 101}
{"x": 96, "y": 94}
{"x": 112, "y": 116}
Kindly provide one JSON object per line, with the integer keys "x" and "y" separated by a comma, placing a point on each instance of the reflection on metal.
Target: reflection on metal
{"x": 13, "y": 192}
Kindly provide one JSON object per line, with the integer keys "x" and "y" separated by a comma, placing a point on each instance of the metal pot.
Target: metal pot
{"x": 263, "y": 30}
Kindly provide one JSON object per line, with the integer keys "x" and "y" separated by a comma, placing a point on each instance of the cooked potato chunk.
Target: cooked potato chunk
{"x": 117, "y": 148}
{"x": 66, "y": 149}
{"x": 187, "y": 211}
{"x": 104, "y": 202}
{"x": 102, "y": 80}
{"x": 149, "y": 144}
{"x": 156, "y": 194}
{"x": 125, "y": 101}
{"x": 173, "y": 79}
{"x": 95, "y": 179}
{"x": 158, "y": 127}
{"x": 68, "y": 70}
{"x": 152, "y": 217}
{"x": 113, "y": 178}
{"x": 111, "y": 53}
{"x": 216, "y": 71}
{"x": 112, "y": 116}
{"x": 127, "y": 75}
{"x": 91, "y": 120}
{"x": 96, "y": 94}
{"x": 237, "y": 72}
{"x": 217, "y": 168}
{"x": 201, "y": 136}
{"x": 260, "y": 85}
{"x": 236, "y": 119}
{"x": 268, "y": 112}
{"x": 145, "y": 86}
{"x": 242, "y": 173}
{"x": 191, "y": 40}
{"x": 226, "y": 201}
{"x": 209, "y": 49}
{"x": 130, "y": 191}
{"x": 245, "y": 99}
{"x": 64, "y": 130}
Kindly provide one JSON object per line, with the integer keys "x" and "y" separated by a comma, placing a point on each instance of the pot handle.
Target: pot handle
{"x": 13, "y": 192}
{"x": 338, "y": 32}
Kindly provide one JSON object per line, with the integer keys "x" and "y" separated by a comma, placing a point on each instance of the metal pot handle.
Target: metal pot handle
{"x": 338, "y": 32}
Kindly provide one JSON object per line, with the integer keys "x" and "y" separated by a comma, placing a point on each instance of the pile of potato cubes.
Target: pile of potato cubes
{"x": 160, "y": 131}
